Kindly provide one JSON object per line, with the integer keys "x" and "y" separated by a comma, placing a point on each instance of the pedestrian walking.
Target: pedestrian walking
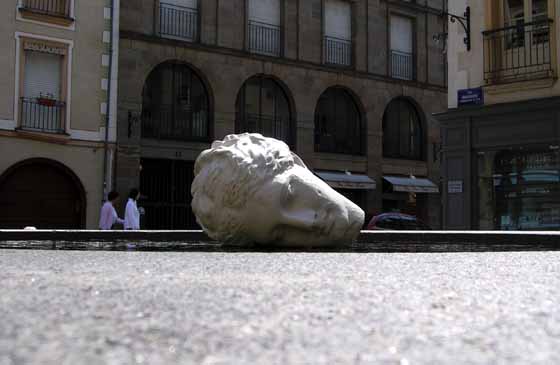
{"x": 109, "y": 217}
{"x": 131, "y": 213}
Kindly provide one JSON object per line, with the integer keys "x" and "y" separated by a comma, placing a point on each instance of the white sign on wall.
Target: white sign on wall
{"x": 454, "y": 186}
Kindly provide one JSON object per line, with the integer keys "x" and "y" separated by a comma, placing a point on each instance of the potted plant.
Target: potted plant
{"x": 47, "y": 100}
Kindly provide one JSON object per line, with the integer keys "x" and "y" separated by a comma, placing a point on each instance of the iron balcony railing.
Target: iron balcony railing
{"x": 58, "y": 8}
{"x": 265, "y": 38}
{"x": 42, "y": 114}
{"x": 402, "y": 65}
{"x": 178, "y": 22}
{"x": 338, "y": 51}
{"x": 518, "y": 52}
{"x": 172, "y": 123}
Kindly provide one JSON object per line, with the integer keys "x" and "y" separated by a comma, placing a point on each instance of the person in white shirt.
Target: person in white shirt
{"x": 109, "y": 215}
{"x": 131, "y": 213}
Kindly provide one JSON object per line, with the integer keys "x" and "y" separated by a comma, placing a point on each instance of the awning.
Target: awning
{"x": 342, "y": 180}
{"x": 411, "y": 185}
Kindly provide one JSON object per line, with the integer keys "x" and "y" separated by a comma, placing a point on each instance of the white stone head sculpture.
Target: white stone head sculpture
{"x": 251, "y": 189}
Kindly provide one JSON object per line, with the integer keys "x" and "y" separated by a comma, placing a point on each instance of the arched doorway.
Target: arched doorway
{"x": 41, "y": 193}
{"x": 263, "y": 106}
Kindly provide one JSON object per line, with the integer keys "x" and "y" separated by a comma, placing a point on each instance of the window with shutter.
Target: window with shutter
{"x": 264, "y": 27}
{"x": 402, "y": 48}
{"x": 42, "y": 75}
{"x": 338, "y": 19}
{"x": 338, "y": 32}
{"x": 42, "y": 94}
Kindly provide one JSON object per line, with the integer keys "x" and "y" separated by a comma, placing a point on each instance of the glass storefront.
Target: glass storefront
{"x": 519, "y": 189}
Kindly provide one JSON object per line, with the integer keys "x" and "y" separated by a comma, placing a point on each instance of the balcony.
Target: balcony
{"x": 518, "y": 53}
{"x": 402, "y": 65}
{"x": 166, "y": 122}
{"x": 338, "y": 51}
{"x": 42, "y": 115}
{"x": 56, "y": 11}
{"x": 265, "y": 38}
{"x": 178, "y": 22}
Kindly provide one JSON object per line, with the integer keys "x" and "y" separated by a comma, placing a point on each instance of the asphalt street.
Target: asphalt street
{"x": 98, "y": 307}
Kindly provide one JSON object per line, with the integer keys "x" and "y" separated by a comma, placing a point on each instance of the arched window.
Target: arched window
{"x": 402, "y": 131}
{"x": 175, "y": 104}
{"x": 338, "y": 124}
{"x": 262, "y": 107}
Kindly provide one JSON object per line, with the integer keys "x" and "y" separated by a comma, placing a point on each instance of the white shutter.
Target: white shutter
{"x": 401, "y": 34}
{"x": 42, "y": 74}
{"x": 265, "y": 11}
{"x": 193, "y": 4}
{"x": 338, "y": 19}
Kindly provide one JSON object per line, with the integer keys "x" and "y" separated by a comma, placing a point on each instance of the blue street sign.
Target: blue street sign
{"x": 470, "y": 96}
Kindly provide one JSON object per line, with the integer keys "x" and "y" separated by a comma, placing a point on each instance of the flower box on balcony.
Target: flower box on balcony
{"x": 46, "y": 101}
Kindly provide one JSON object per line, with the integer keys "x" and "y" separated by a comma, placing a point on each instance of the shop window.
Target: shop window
{"x": 58, "y": 12}
{"x": 338, "y": 123}
{"x": 402, "y": 131}
{"x": 42, "y": 104}
{"x": 519, "y": 189}
{"x": 262, "y": 107}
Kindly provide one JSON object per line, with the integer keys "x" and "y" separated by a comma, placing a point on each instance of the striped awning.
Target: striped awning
{"x": 346, "y": 180}
{"x": 411, "y": 184}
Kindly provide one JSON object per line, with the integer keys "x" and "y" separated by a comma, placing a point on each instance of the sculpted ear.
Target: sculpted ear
{"x": 299, "y": 161}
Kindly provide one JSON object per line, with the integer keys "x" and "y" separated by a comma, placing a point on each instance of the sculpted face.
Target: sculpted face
{"x": 297, "y": 208}
{"x": 290, "y": 206}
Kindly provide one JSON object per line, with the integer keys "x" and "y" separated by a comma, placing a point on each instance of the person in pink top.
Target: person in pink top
{"x": 109, "y": 215}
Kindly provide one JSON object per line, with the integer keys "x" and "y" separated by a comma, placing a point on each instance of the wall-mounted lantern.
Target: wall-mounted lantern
{"x": 465, "y": 22}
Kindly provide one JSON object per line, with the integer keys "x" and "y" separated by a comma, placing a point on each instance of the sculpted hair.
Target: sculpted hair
{"x": 227, "y": 174}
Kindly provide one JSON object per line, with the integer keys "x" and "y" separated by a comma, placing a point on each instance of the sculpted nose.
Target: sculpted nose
{"x": 354, "y": 220}
{"x": 356, "y": 215}
{"x": 302, "y": 219}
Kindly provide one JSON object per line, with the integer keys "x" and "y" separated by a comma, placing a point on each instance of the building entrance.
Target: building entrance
{"x": 41, "y": 193}
{"x": 166, "y": 186}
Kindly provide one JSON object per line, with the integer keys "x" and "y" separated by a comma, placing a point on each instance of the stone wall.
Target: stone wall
{"x": 221, "y": 61}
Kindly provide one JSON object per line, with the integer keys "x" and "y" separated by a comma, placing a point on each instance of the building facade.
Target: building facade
{"x": 55, "y": 150}
{"x": 349, "y": 85}
{"x": 501, "y": 133}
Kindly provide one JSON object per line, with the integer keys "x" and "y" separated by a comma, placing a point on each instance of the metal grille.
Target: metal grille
{"x": 264, "y": 38}
{"x": 167, "y": 187}
{"x": 402, "y": 131}
{"x": 178, "y": 21}
{"x": 262, "y": 107}
{"x": 338, "y": 124}
{"x": 175, "y": 105}
{"x": 268, "y": 125}
{"x": 338, "y": 51}
{"x": 60, "y": 8}
{"x": 402, "y": 65}
{"x": 42, "y": 115}
{"x": 518, "y": 52}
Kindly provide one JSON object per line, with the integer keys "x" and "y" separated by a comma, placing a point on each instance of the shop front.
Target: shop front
{"x": 353, "y": 186}
{"x": 501, "y": 166}
{"x": 408, "y": 195}
{"x": 519, "y": 188}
